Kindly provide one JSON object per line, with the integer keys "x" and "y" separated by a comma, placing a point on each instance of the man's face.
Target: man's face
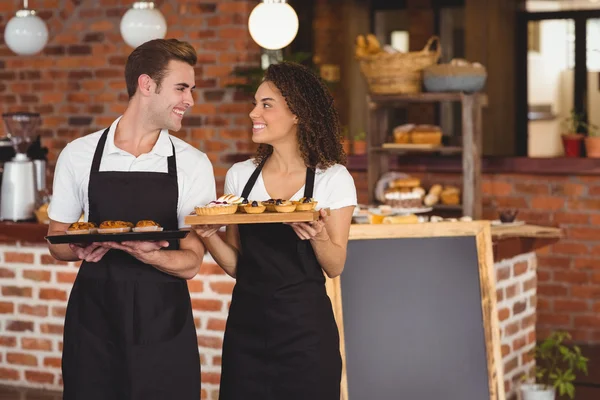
{"x": 170, "y": 101}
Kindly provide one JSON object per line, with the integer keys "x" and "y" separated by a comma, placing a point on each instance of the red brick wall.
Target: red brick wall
{"x": 568, "y": 271}
{"x": 77, "y": 83}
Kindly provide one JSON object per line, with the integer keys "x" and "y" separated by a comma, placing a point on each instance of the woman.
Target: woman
{"x": 281, "y": 339}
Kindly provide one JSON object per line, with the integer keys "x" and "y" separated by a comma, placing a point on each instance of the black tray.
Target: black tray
{"x": 116, "y": 237}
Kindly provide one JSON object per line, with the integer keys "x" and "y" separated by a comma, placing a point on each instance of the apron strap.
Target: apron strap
{"x": 99, "y": 151}
{"x": 171, "y": 162}
{"x": 310, "y": 182}
{"x": 252, "y": 180}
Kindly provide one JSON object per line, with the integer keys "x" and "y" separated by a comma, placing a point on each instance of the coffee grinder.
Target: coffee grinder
{"x": 18, "y": 191}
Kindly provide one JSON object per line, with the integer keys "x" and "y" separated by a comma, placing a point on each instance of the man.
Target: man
{"x": 129, "y": 331}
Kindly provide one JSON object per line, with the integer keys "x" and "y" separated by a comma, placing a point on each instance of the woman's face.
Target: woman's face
{"x": 272, "y": 120}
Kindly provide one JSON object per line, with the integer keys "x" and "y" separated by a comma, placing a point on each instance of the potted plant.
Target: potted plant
{"x": 592, "y": 142}
{"x": 360, "y": 143}
{"x": 556, "y": 364}
{"x": 573, "y": 136}
{"x": 346, "y": 140}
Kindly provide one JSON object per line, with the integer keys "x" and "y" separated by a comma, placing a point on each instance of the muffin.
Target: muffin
{"x": 305, "y": 204}
{"x": 147, "y": 225}
{"x": 81, "y": 228}
{"x": 115, "y": 227}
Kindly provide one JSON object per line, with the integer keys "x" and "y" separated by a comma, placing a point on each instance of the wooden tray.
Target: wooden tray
{"x": 116, "y": 237}
{"x": 243, "y": 218}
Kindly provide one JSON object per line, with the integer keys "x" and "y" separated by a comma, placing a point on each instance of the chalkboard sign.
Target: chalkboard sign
{"x": 416, "y": 309}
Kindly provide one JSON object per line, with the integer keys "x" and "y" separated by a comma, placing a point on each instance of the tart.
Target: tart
{"x": 284, "y": 206}
{"x": 270, "y": 204}
{"x": 231, "y": 199}
{"x": 147, "y": 225}
{"x": 226, "y": 204}
{"x": 305, "y": 204}
{"x": 217, "y": 208}
{"x": 115, "y": 227}
{"x": 253, "y": 208}
{"x": 81, "y": 228}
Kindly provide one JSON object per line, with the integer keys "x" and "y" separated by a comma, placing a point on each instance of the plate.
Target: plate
{"x": 500, "y": 223}
{"x": 117, "y": 237}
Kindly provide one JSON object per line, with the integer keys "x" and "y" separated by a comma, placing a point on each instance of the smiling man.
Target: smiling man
{"x": 129, "y": 330}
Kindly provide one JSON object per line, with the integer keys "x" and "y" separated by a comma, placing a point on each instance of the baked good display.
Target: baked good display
{"x": 81, "y": 228}
{"x": 305, "y": 204}
{"x": 115, "y": 227}
{"x": 226, "y": 204}
{"x": 147, "y": 225}
{"x": 404, "y": 199}
{"x": 404, "y": 184}
{"x": 253, "y": 208}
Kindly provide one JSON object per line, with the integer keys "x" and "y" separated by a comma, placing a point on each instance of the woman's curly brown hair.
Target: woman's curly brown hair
{"x": 307, "y": 97}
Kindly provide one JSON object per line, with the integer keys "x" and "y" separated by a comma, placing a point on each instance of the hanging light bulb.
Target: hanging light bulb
{"x": 26, "y": 33}
{"x": 273, "y": 24}
{"x": 141, "y": 23}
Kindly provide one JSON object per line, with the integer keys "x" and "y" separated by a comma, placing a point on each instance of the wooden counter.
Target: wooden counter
{"x": 508, "y": 241}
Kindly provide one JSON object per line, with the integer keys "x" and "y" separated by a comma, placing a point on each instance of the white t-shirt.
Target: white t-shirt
{"x": 334, "y": 187}
{"x": 195, "y": 175}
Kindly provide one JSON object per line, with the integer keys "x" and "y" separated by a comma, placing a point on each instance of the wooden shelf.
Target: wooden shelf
{"x": 447, "y": 207}
{"x": 418, "y": 149}
{"x": 378, "y": 159}
{"x": 402, "y": 99}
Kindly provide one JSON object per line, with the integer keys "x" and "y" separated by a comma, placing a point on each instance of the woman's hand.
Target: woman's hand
{"x": 206, "y": 231}
{"x": 313, "y": 230}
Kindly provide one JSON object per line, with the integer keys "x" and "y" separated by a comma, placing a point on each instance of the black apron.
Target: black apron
{"x": 281, "y": 340}
{"x": 129, "y": 330}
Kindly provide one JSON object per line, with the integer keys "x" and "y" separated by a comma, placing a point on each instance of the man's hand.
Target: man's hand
{"x": 146, "y": 252}
{"x": 90, "y": 253}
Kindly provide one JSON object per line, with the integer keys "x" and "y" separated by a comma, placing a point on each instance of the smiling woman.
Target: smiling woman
{"x": 280, "y": 310}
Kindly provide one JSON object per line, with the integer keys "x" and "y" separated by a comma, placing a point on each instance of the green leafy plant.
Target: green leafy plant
{"x": 557, "y": 362}
{"x": 576, "y": 123}
{"x": 252, "y": 76}
{"x": 360, "y": 136}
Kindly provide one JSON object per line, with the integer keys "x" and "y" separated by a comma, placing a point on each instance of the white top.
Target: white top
{"x": 195, "y": 175}
{"x": 334, "y": 187}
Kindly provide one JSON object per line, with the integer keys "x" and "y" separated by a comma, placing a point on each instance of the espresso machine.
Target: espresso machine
{"x": 19, "y": 179}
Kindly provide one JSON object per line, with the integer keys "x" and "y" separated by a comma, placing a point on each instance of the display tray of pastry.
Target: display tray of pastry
{"x": 114, "y": 227}
{"x": 256, "y": 212}
{"x": 147, "y": 225}
{"x": 83, "y": 233}
{"x": 81, "y": 228}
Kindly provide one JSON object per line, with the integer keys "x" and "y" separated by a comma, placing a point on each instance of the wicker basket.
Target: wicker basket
{"x": 399, "y": 73}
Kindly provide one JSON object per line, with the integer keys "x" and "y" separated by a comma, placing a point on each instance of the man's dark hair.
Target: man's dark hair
{"x": 151, "y": 58}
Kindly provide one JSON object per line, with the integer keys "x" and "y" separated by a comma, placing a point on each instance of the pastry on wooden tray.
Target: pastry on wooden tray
{"x": 147, "y": 225}
{"x": 226, "y": 204}
{"x": 115, "y": 227}
{"x": 305, "y": 204}
{"x": 253, "y": 207}
{"x": 284, "y": 206}
{"x": 81, "y": 228}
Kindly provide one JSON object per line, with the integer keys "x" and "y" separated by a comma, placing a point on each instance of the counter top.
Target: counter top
{"x": 508, "y": 240}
